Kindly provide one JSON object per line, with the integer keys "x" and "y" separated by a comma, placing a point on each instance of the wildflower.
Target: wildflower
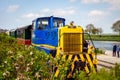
{"x": 32, "y": 59}
{"x": 16, "y": 66}
{"x": 37, "y": 75}
{"x": 4, "y": 74}
{"x": 20, "y": 76}
{"x": 17, "y": 78}
{"x": 10, "y": 52}
{"x": 7, "y": 72}
{"x": 20, "y": 56}
{"x": 31, "y": 63}
{"x": 28, "y": 64}
{"x": 28, "y": 78}
{"x": 27, "y": 69}
{"x": 31, "y": 53}
{"x": 11, "y": 57}
{"x": 5, "y": 62}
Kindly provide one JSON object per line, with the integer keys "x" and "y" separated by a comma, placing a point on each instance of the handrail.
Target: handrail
{"x": 92, "y": 43}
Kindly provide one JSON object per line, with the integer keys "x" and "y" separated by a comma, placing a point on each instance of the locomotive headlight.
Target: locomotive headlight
{"x": 61, "y": 51}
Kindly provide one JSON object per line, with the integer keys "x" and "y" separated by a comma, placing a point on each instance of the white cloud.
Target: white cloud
{"x": 63, "y": 12}
{"x": 116, "y": 19}
{"x": 72, "y": 0}
{"x": 47, "y": 12}
{"x": 12, "y": 8}
{"x": 114, "y": 4}
{"x": 31, "y": 15}
{"x": 90, "y": 1}
{"x": 96, "y": 13}
{"x": 18, "y": 20}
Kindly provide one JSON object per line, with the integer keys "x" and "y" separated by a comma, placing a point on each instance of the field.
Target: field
{"x": 27, "y": 63}
{"x": 104, "y": 37}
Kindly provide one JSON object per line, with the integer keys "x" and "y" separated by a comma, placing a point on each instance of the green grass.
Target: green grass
{"x": 104, "y": 37}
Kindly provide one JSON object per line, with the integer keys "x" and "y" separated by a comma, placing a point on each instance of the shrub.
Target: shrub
{"x": 27, "y": 63}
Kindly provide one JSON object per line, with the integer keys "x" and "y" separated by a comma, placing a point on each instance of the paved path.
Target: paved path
{"x": 107, "y": 60}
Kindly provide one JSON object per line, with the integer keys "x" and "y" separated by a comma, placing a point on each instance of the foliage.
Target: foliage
{"x": 117, "y": 71}
{"x": 100, "y": 30}
{"x": 102, "y": 74}
{"x": 116, "y": 26}
{"x": 99, "y": 51}
{"x": 90, "y": 28}
{"x": 80, "y": 75}
{"x": 20, "y": 62}
{"x": 26, "y": 62}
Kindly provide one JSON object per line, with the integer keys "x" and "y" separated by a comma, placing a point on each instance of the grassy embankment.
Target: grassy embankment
{"x": 104, "y": 37}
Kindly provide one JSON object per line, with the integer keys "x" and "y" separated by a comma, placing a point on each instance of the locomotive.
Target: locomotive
{"x": 54, "y": 37}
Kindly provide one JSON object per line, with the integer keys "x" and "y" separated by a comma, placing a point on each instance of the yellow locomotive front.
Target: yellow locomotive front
{"x": 70, "y": 47}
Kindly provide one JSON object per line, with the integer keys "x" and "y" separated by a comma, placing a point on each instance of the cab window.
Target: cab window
{"x": 42, "y": 24}
{"x": 58, "y": 23}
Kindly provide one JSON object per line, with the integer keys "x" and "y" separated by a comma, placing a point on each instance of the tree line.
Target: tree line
{"x": 90, "y": 28}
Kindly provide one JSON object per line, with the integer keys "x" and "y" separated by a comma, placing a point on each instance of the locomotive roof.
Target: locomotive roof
{"x": 12, "y": 30}
{"x": 25, "y": 27}
{"x": 49, "y": 17}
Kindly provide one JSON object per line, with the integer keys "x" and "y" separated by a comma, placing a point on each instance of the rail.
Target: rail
{"x": 105, "y": 64}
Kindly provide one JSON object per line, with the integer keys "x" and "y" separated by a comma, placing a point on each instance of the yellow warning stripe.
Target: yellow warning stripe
{"x": 94, "y": 59}
{"x": 88, "y": 58}
{"x": 90, "y": 62}
{"x": 44, "y": 45}
{"x": 83, "y": 59}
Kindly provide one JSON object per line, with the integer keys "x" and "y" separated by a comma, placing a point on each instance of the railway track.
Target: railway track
{"x": 105, "y": 64}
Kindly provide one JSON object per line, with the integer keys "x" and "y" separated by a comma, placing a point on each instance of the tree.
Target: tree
{"x": 89, "y": 28}
{"x": 116, "y": 26}
{"x": 95, "y": 31}
{"x": 100, "y": 30}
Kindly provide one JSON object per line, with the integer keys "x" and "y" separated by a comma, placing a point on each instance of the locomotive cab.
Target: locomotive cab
{"x": 45, "y": 32}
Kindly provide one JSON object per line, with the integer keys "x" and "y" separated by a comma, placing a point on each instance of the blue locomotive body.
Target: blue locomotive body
{"x": 45, "y": 32}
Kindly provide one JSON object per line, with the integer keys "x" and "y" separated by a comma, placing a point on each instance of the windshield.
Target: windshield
{"x": 42, "y": 23}
{"x": 58, "y": 23}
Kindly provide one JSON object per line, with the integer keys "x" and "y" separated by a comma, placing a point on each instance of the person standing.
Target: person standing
{"x": 114, "y": 50}
{"x": 118, "y": 50}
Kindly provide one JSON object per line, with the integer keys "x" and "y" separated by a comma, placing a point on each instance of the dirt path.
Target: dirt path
{"x": 107, "y": 60}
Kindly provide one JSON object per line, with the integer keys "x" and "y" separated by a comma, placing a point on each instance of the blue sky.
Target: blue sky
{"x": 101, "y": 13}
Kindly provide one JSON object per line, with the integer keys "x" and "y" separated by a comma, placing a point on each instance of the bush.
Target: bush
{"x": 99, "y": 51}
{"x": 27, "y": 63}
